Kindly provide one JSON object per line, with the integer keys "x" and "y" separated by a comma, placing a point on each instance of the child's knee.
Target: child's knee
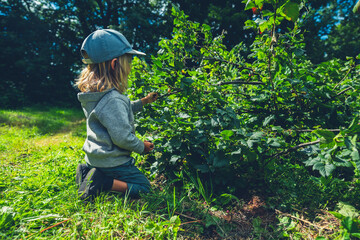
{"x": 134, "y": 190}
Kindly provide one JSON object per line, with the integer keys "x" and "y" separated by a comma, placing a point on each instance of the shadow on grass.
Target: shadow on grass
{"x": 46, "y": 120}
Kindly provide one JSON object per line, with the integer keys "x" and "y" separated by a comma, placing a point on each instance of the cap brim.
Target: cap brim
{"x": 136, "y": 52}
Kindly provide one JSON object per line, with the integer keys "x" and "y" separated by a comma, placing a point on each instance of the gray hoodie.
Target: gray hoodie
{"x": 110, "y": 128}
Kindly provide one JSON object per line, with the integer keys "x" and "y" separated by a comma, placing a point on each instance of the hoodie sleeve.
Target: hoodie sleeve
{"x": 114, "y": 116}
{"x": 137, "y": 106}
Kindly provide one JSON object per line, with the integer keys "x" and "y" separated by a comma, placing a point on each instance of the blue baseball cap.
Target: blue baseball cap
{"x": 104, "y": 45}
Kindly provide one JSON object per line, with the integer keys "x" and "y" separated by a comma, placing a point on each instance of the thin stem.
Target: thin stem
{"x": 352, "y": 68}
{"x": 239, "y": 82}
{"x": 290, "y": 150}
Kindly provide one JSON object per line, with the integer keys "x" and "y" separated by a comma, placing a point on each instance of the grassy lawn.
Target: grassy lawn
{"x": 39, "y": 152}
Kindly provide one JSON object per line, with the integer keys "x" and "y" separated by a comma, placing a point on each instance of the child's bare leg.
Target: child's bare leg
{"x": 119, "y": 186}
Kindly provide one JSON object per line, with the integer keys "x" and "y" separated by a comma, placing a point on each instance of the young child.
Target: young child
{"x": 109, "y": 118}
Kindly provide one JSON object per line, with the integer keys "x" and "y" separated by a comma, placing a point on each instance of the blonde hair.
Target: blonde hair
{"x": 100, "y": 77}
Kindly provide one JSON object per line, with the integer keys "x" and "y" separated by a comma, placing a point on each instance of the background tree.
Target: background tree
{"x": 228, "y": 16}
{"x": 331, "y": 30}
{"x": 41, "y": 42}
{"x": 29, "y": 56}
{"x": 41, "y": 39}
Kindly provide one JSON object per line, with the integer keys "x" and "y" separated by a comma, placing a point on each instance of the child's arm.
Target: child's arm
{"x": 151, "y": 97}
{"x": 137, "y": 106}
{"x": 149, "y": 146}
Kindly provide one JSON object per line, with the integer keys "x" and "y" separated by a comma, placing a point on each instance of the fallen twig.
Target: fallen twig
{"x": 197, "y": 221}
{"x": 302, "y": 220}
{"x": 183, "y": 215}
{"x": 194, "y": 219}
{"x": 57, "y": 224}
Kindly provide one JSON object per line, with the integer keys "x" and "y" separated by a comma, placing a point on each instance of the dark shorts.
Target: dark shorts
{"x": 129, "y": 173}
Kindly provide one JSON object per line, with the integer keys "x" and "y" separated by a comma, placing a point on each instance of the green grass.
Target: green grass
{"x": 39, "y": 152}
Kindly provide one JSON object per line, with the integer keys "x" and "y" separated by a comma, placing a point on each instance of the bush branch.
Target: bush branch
{"x": 343, "y": 91}
{"x": 352, "y": 68}
{"x": 239, "y": 82}
{"x": 310, "y": 130}
{"x": 302, "y": 145}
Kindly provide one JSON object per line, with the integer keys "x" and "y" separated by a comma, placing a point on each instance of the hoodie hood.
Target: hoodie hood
{"x": 89, "y": 100}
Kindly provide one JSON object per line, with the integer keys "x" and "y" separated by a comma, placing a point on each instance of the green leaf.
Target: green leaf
{"x": 254, "y": 138}
{"x": 354, "y": 140}
{"x": 291, "y": 11}
{"x": 321, "y": 168}
{"x": 347, "y": 223}
{"x": 250, "y": 24}
{"x": 206, "y": 27}
{"x": 339, "y": 162}
{"x": 6, "y": 217}
{"x": 264, "y": 26}
{"x": 36, "y": 218}
{"x": 355, "y": 155}
{"x": 356, "y": 8}
{"x": 249, "y": 4}
{"x": 236, "y": 152}
{"x": 268, "y": 119}
{"x": 256, "y": 135}
{"x": 299, "y": 52}
{"x": 329, "y": 168}
{"x": 274, "y": 142}
{"x": 130, "y": 82}
{"x": 259, "y": 3}
{"x": 312, "y": 161}
{"x": 219, "y": 160}
{"x": 225, "y": 198}
{"x": 347, "y": 210}
{"x": 337, "y": 215}
{"x": 227, "y": 134}
{"x": 174, "y": 159}
{"x": 277, "y": 128}
{"x": 357, "y": 163}
{"x": 157, "y": 63}
{"x": 346, "y": 236}
{"x": 175, "y": 219}
{"x": 329, "y": 136}
{"x": 354, "y": 126}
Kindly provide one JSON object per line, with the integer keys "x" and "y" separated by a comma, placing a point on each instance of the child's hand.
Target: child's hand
{"x": 149, "y": 146}
{"x": 151, "y": 97}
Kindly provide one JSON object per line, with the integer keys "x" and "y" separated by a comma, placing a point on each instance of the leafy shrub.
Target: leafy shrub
{"x": 237, "y": 119}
